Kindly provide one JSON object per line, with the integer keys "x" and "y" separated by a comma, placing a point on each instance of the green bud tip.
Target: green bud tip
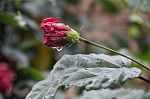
{"x": 72, "y": 36}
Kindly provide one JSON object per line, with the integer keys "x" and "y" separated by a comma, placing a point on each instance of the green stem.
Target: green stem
{"x": 111, "y": 50}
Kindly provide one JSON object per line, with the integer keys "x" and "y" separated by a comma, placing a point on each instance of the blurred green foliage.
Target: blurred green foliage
{"x": 14, "y": 20}
{"x": 109, "y": 6}
{"x": 140, "y": 4}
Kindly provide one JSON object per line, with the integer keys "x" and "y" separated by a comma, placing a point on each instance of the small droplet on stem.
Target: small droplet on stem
{"x": 58, "y": 48}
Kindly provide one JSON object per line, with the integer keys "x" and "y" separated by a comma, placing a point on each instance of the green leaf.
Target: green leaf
{"x": 84, "y": 71}
{"x": 140, "y": 4}
{"x": 109, "y": 6}
{"x": 34, "y": 73}
{"x": 136, "y": 19}
{"x": 14, "y": 20}
{"x": 115, "y": 94}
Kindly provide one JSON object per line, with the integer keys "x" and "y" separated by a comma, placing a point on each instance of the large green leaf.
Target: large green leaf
{"x": 88, "y": 71}
{"x": 140, "y": 4}
{"x": 121, "y": 93}
{"x": 115, "y": 94}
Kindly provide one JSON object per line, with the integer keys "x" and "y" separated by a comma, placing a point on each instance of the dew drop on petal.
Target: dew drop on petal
{"x": 58, "y": 48}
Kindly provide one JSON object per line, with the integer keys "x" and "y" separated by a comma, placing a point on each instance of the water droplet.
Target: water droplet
{"x": 58, "y": 48}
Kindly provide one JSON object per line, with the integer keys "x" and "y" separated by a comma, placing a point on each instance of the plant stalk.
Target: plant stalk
{"x": 144, "y": 79}
{"x": 111, "y": 50}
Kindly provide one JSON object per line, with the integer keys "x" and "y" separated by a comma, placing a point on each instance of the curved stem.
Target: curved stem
{"x": 144, "y": 79}
{"x": 111, "y": 50}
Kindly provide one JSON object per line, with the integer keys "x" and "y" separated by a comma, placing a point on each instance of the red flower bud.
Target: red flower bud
{"x": 56, "y": 34}
{"x": 6, "y": 77}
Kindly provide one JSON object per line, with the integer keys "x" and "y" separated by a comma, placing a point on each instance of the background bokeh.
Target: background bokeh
{"x": 109, "y": 22}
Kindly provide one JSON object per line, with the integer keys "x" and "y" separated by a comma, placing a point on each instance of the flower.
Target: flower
{"x": 57, "y": 34}
{"x": 6, "y": 77}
